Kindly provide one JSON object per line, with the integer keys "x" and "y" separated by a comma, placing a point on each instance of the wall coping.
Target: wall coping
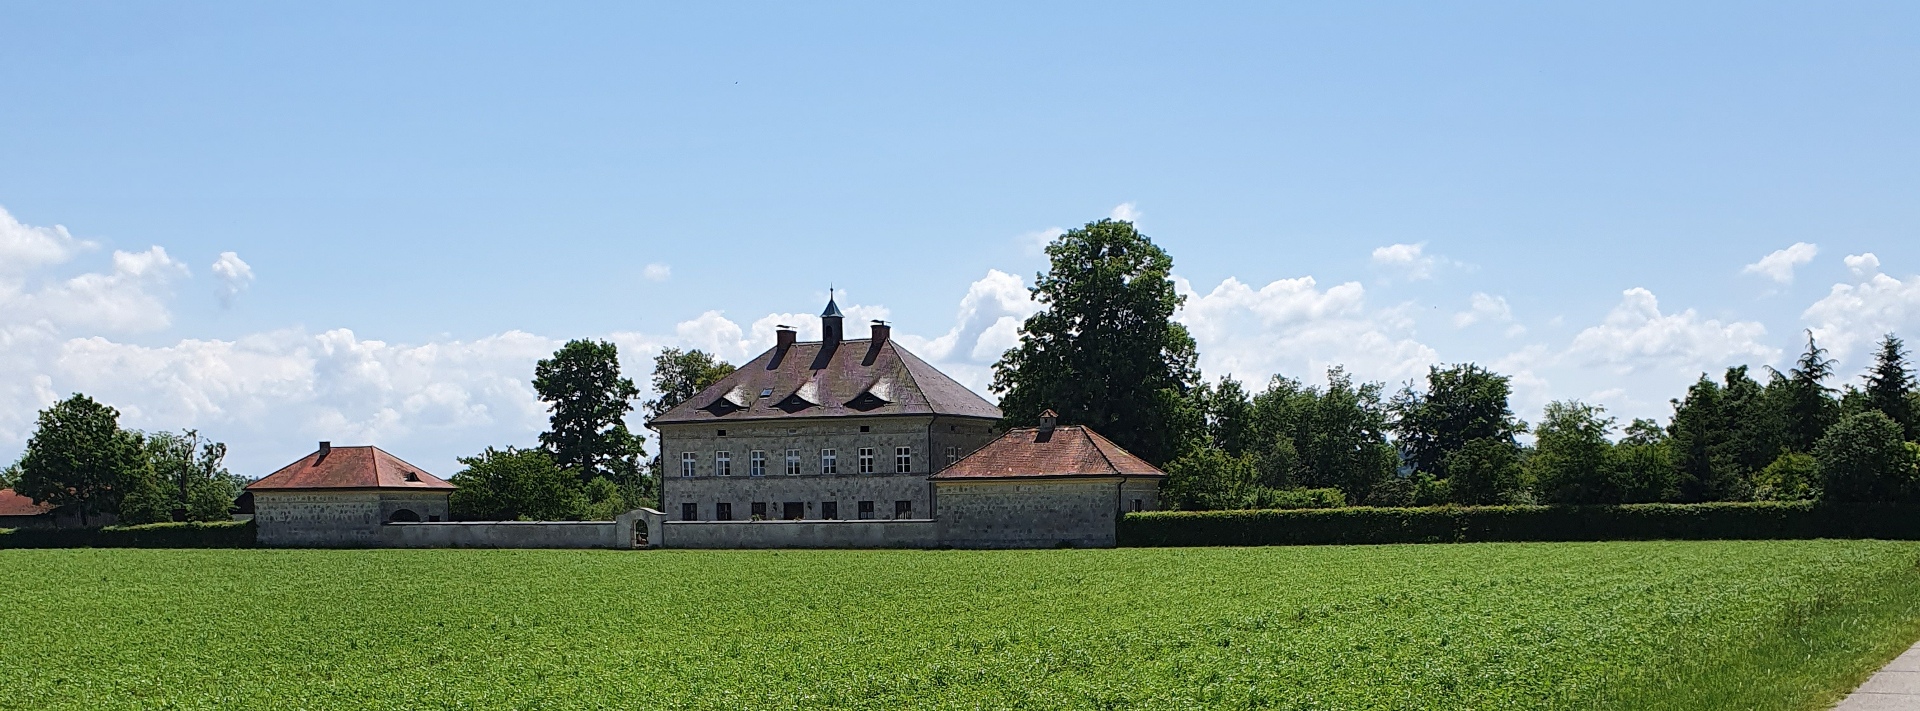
{"x": 808, "y": 521}
{"x": 498, "y": 523}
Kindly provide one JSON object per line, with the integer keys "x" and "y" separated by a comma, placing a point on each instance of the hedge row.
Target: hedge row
{"x": 223, "y": 534}
{"x": 1758, "y": 520}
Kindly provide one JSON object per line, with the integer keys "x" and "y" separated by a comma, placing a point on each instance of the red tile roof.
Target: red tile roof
{"x": 12, "y": 503}
{"x": 1071, "y": 450}
{"x": 854, "y": 379}
{"x": 350, "y": 468}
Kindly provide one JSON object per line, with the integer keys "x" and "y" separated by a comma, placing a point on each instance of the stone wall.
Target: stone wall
{"x": 503, "y": 534}
{"x": 901, "y": 533}
{"x": 1037, "y": 513}
{"x": 338, "y": 518}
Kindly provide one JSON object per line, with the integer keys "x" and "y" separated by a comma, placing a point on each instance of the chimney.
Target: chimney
{"x": 881, "y": 332}
{"x": 325, "y": 449}
{"x": 783, "y": 337}
{"x": 1047, "y": 420}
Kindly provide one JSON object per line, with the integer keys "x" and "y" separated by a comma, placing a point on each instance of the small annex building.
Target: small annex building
{"x": 19, "y": 511}
{"x": 1041, "y": 487}
{"x": 340, "y": 496}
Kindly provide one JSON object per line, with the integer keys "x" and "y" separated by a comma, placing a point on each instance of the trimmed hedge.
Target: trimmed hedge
{"x": 222, "y": 534}
{"x": 1361, "y": 525}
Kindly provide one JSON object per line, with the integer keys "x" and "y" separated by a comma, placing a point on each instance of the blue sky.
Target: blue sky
{"x": 422, "y": 199}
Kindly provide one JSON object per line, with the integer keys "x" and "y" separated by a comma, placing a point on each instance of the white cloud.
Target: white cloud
{"x": 1852, "y": 316}
{"x": 1409, "y": 261}
{"x": 1293, "y": 327}
{"x": 234, "y": 275}
{"x": 1862, "y": 265}
{"x": 657, "y": 272}
{"x": 25, "y": 247}
{"x": 1779, "y": 265}
{"x": 1036, "y": 242}
{"x": 1636, "y": 336}
{"x": 1126, "y": 212}
{"x": 131, "y": 298}
{"x": 1483, "y": 307}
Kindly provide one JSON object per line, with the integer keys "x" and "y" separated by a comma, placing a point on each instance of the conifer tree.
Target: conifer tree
{"x": 1806, "y": 403}
{"x": 1890, "y": 386}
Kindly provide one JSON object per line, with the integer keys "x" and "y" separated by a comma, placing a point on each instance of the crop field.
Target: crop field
{"x": 1649, "y": 625}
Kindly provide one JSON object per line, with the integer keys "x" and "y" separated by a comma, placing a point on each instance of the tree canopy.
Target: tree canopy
{"x": 1462, "y": 404}
{"x": 78, "y": 456}
{"x": 1890, "y": 386}
{"x": 1104, "y": 350}
{"x": 589, "y": 399}
{"x": 679, "y": 375}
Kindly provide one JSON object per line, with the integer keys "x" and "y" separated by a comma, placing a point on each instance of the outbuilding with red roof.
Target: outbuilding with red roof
{"x": 340, "y": 496}
{"x": 1041, "y": 487}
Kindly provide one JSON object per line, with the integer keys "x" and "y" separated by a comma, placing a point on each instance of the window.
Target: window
{"x": 902, "y": 460}
{"x": 953, "y": 454}
{"x": 759, "y": 510}
{"x": 689, "y": 512}
{"x": 723, "y": 512}
{"x": 828, "y": 464}
{"x": 688, "y": 463}
{"x": 866, "y": 509}
{"x": 1139, "y": 505}
{"x": 757, "y": 463}
{"x": 793, "y": 510}
{"x": 723, "y": 464}
{"x": 721, "y": 433}
{"x": 793, "y": 462}
{"x": 864, "y": 428}
{"x": 866, "y": 460}
{"x": 830, "y": 510}
{"x": 903, "y": 509}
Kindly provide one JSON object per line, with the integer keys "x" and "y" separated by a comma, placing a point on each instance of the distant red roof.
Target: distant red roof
{"x": 12, "y": 503}
{"x": 350, "y": 468}
{"x": 1071, "y": 450}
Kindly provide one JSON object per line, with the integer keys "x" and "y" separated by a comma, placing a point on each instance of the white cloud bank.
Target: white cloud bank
{"x": 1852, "y": 316}
{"x": 235, "y": 276}
{"x": 1779, "y": 265}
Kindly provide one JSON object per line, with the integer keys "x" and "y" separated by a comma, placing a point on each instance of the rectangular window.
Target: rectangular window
{"x": 723, "y": 464}
{"x": 689, "y": 512}
{"x": 902, "y": 460}
{"x": 903, "y": 509}
{"x": 689, "y": 462}
{"x": 830, "y": 510}
{"x": 1138, "y": 505}
{"x": 866, "y": 509}
{"x": 723, "y": 512}
{"x": 756, "y": 463}
{"x": 828, "y": 465}
{"x": 793, "y": 462}
{"x": 793, "y": 510}
{"x": 759, "y": 510}
{"x": 953, "y": 454}
{"x": 866, "y": 460}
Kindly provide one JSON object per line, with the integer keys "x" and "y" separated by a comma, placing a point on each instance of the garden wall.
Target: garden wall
{"x": 1768, "y": 520}
{"x": 502, "y": 534}
{"x": 870, "y": 533}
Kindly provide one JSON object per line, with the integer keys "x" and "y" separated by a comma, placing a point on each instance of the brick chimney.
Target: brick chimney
{"x": 1047, "y": 420}
{"x": 325, "y": 448}
{"x": 881, "y": 332}
{"x": 783, "y": 337}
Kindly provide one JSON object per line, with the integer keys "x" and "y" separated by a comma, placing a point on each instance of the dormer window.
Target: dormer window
{"x": 413, "y": 476}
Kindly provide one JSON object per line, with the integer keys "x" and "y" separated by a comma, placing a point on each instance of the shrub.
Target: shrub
{"x": 1362, "y": 525}
{"x": 1327, "y": 498}
{"x": 1792, "y": 477}
{"x": 219, "y": 534}
{"x": 1863, "y": 459}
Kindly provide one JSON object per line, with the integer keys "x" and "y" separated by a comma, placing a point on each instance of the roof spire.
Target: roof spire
{"x": 833, "y": 309}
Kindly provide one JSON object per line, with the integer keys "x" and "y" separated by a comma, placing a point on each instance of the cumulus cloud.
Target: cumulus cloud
{"x": 1409, "y": 261}
{"x": 656, "y": 272}
{"x": 1483, "y": 307}
{"x": 1779, "y": 265}
{"x": 25, "y": 247}
{"x": 1126, "y": 212}
{"x": 1036, "y": 242}
{"x": 235, "y": 276}
{"x": 1636, "y": 336}
{"x": 130, "y": 298}
{"x": 1853, "y": 315}
{"x": 1295, "y": 327}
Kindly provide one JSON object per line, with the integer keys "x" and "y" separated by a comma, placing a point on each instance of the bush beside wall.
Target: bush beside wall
{"x": 222, "y": 534}
{"x": 1756, "y": 520}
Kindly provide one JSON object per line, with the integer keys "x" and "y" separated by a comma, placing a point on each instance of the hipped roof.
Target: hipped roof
{"x": 808, "y": 379}
{"x": 1068, "y": 451}
{"x": 349, "y": 468}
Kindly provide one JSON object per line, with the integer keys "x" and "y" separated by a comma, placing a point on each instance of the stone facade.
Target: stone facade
{"x": 1039, "y": 513}
{"x": 340, "y": 517}
{"x": 930, "y": 442}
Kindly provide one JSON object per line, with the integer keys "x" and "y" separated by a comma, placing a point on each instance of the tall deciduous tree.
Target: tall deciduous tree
{"x": 1462, "y": 404}
{"x": 1890, "y": 386}
{"x": 78, "y": 456}
{"x": 193, "y": 474}
{"x": 514, "y": 484}
{"x": 1104, "y": 350}
{"x": 679, "y": 375}
{"x": 587, "y": 432}
{"x": 1573, "y": 461}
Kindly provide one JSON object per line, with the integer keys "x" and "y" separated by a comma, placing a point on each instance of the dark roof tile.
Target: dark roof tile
{"x": 810, "y": 380}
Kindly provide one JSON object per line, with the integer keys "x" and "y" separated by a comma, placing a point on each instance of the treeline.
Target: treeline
{"x": 80, "y": 457}
{"x": 1105, "y": 351}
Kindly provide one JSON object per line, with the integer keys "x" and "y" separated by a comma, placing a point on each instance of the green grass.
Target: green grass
{"x": 1649, "y": 625}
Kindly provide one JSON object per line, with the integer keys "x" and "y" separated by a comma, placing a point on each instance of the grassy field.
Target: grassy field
{"x": 1700, "y": 625}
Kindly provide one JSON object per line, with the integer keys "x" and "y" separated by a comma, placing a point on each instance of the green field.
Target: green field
{"x": 1663, "y": 625}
